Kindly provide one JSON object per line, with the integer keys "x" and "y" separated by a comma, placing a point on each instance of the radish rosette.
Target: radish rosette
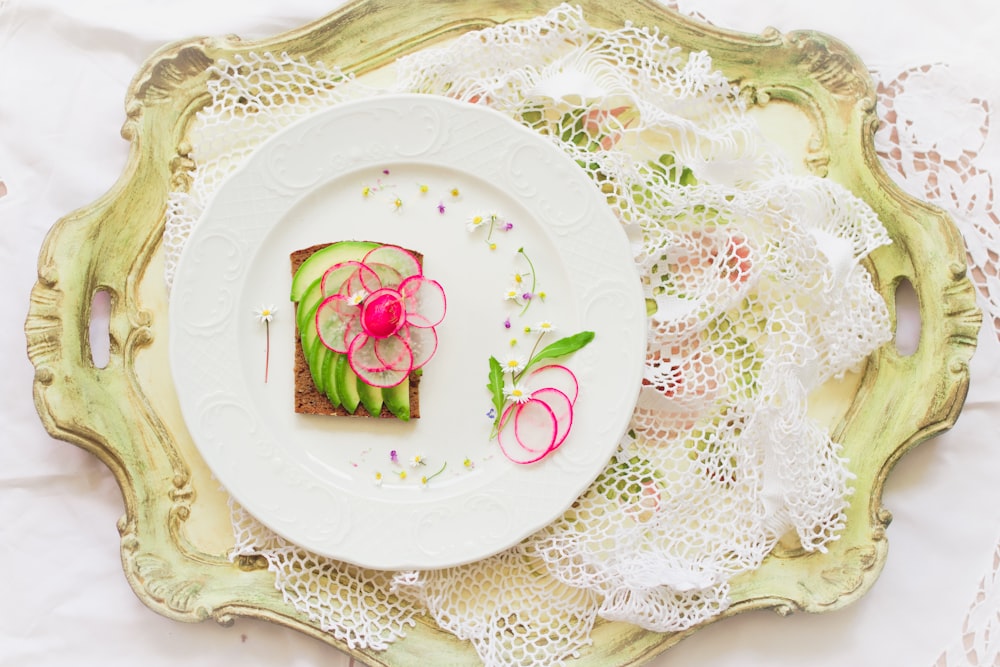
{"x": 381, "y": 312}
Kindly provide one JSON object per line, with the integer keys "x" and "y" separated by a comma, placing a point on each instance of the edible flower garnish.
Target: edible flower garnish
{"x": 264, "y": 315}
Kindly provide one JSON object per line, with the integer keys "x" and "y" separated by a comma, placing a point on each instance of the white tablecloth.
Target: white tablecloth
{"x": 64, "y": 70}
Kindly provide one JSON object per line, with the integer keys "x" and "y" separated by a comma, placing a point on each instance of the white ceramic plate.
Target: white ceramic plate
{"x": 385, "y": 169}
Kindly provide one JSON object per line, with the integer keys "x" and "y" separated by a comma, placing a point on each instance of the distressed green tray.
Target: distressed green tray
{"x": 175, "y": 531}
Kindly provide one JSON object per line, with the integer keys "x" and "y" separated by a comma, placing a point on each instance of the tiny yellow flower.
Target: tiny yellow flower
{"x": 455, "y": 192}
{"x": 424, "y": 188}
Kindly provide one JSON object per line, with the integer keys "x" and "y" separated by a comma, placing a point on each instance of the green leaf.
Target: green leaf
{"x": 495, "y": 385}
{"x": 563, "y": 346}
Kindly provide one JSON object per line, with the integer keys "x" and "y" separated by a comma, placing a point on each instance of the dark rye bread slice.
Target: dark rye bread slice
{"x": 308, "y": 399}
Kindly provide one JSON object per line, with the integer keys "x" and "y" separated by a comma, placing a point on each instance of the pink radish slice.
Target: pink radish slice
{"x": 336, "y": 278}
{"x": 425, "y": 301}
{"x": 558, "y": 377}
{"x": 404, "y": 262}
{"x": 394, "y": 353}
{"x": 363, "y": 280}
{"x": 333, "y": 316}
{"x": 562, "y": 411}
{"x": 533, "y": 432}
{"x": 388, "y": 276}
{"x": 366, "y": 365}
{"x": 423, "y": 343}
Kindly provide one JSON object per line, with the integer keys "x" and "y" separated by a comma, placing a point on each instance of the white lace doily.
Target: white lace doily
{"x": 756, "y": 294}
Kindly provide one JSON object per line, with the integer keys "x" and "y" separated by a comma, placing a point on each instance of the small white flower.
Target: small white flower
{"x": 543, "y": 327}
{"x": 378, "y": 479}
{"x": 475, "y": 222}
{"x": 356, "y": 298}
{"x": 513, "y": 294}
{"x": 516, "y": 394}
{"x": 265, "y": 313}
{"x": 513, "y": 364}
{"x": 417, "y": 460}
{"x": 519, "y": 279}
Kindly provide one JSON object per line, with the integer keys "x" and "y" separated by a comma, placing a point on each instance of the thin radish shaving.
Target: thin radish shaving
{"x": 404, "y": 262}
{"x": 344, "y": 278}
{"x": 425, "y": 301}
{"x": 423, "y": 344}
{"x": 558, "y": 377}
{"x": 539, "y": 425}
{"x": 542, "y": 423}
{"x": 332, "y": 319}
{"x": 561, "y": 407}
{"x": 367, "y": 366}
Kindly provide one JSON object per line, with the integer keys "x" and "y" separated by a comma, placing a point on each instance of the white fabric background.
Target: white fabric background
{"x": 64, "y": 70}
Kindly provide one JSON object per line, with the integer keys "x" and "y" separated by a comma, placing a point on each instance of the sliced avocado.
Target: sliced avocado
{"x": 371, "y": 398}
{"x": 347, "y": 384}
{"x": 311, "y": 351}
{"x": 305, "y": 311}
{"x": 397, "y": 399}
{"x": 329, "y": 377}
{"x": 316, "y": 265}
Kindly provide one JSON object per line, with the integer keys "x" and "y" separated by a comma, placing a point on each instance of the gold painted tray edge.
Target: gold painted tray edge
{"x": 110, "y": 245}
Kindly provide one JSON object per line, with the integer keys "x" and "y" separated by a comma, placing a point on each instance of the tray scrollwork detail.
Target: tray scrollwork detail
{"x": 175, "y": 526}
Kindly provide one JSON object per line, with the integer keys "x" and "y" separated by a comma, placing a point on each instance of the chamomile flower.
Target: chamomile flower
{"x": 475, "y": 222}
{"x": 512, "y": 294}
{"x": 417, "y": 460}
{"x": 378, "y": 479}
{"x": 519, "y": 278}
{"x": 265, "y": 313}
{"x": 516, "y": 394}
{"x": 514, "y": 363}
{"x": 544, "y": 327}
{"x": 356, "y": 298}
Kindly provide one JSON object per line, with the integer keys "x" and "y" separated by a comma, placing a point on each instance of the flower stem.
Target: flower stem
{"x": 534, "y": 283}
{"x": 267, "y": 348}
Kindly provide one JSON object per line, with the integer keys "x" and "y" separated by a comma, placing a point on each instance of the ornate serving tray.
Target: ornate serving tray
{"x": 175, "y": 530}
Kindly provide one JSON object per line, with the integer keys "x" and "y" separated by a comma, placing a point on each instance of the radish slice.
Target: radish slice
{"x": 388, "y": 276}
{"x": 394, "y": 353}
{"x": 561, "y": 408}
{"x": 367, "y": 366}
{"x": 425, "y": 301}
{"x": 557, "y": 377}
{"x": 332, "y": 318}
{"x": 533, "y": 433}
{"x": 404, "y": 262}
{"x": 363, "y": 280}
{"x": 423, "y": 344}
{"x": 336, "y": 278}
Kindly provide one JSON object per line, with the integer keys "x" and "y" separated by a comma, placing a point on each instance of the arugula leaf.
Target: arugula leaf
{"x": 563, "y": 346}
{"x": 495, "y": 385}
